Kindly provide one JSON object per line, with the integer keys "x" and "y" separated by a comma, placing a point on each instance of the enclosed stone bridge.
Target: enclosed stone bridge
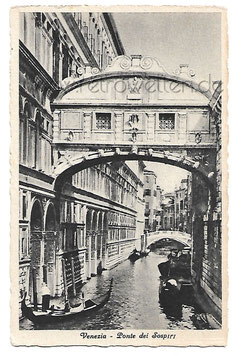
{"x": 134, "y": 110}
{"x": 181, "y": 237}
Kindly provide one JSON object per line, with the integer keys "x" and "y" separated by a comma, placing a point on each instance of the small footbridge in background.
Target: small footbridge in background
{"x": 181, "y": 237}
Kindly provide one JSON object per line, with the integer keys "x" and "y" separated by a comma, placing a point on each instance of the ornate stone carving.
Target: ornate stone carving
{"x": 64, "y": 157}
{"x": 125, "y": 63}
{"x": 95, "y": 71}
{"x": 184, "y": 70}
{"x": 134, "y": 85}
{"x": 135, "y": 63}
{"x": 146, "y": 63}
{"x": 70, "y": 136}
{"x": 133, "y": 122}
{"x": 101, "y": 152}
{"x": 202, "y": 158}
{"x": 134, "y": 150}
{"x": 198, "y": 137}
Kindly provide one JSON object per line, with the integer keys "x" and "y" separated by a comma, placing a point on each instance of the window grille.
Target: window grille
{"x": 103, "y": 120}
{"x": 147, "y": 192}
{"x": 166, "y": 121}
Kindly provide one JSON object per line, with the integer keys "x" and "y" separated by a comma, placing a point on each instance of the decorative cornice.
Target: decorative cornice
{"x": 79, "y": 38}
{"x": 26, "y": 58}
{"x": 114, "y": 33}
{"x": 129, "y": 67}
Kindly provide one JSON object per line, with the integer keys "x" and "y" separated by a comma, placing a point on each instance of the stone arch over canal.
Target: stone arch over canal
{"x": 135, "y": 110}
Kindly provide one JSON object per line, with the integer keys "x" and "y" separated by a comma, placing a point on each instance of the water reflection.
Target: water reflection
{"x": 134, "y": 303}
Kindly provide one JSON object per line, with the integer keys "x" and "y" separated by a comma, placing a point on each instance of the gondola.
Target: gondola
{"x": 176, "y": 266}
{"x": 169, "y": 293}
{"x": 134, "y": 256}
{"x": 61, "y": 315}
{"x": 144, "y": 253}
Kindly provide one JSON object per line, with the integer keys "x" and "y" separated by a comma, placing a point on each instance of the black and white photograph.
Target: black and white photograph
{"x": 120, "y": 141}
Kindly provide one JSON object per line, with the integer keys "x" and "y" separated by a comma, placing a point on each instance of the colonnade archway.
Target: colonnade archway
{"x": 43, "y": 237}
{"x": 96, "y": 239}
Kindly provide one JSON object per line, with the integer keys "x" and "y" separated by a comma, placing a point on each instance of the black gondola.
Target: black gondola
{"x": 134, "y": 256}
{"x": 169, "y": 293}
{"x": 144, "y": 253}
{"x": 176, "y": 266}
{"x": 60, "y": 315}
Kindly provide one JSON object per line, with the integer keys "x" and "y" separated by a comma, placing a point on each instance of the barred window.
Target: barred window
{"x": 166, "y": 120}
{"x": 147, "y": 192}
{"x": 103, "y": 120}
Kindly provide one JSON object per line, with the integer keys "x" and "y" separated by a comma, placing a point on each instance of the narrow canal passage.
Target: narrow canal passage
{"x": 134, "y": 303}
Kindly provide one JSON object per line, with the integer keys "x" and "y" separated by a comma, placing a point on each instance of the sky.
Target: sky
{"x": 174, "y": 38}
{"x": 168, "y": 176}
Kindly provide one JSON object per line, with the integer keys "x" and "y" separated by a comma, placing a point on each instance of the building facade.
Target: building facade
{"x": 53, "y": 49}
{"x": 177, "y": 207}
{"x": 150, "y": 194}
{"x": 183, "y": 205}
{"x": 168, "y": 211}
{"x": 66, "y": 51}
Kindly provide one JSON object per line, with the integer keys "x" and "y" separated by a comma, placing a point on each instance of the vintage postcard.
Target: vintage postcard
{"x": 119, "y": 176}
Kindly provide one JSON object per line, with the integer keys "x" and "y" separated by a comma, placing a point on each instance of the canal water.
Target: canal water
{"x": 134, "y": 302}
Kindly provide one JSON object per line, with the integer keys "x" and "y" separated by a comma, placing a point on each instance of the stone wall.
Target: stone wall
{"x": 207, "y": 231}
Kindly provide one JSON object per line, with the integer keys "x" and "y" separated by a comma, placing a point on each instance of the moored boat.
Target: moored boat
{"x": 144, "y": 253}
{"x": 135, "y": 255}
{"x": 169, "y": 293}
{"x": 54, "y": 315}
{"x": 178, "y": 265}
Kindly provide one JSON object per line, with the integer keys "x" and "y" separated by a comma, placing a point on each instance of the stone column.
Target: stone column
{"x": 150, "y": 126}
{"x": 89, "y": 255}
{"x": 104, "y": 255}
{"x": 118, "y": 126}
{"x": 94, "y": 254}
{"x": 42, "y": 243}
{"x": 182, "y": 133}
{"x": 56, "y": 124}
{"x": 87, "y": 125}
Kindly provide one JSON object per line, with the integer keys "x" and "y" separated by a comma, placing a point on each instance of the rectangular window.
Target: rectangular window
{"x": 147, "y": 192}
{"x": 103, "y": 120}
{"x": 166, "y": 121}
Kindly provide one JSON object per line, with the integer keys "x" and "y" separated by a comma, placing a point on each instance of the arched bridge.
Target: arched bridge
{"x": 133, "y": 110}
{"x": 177, "y": 236}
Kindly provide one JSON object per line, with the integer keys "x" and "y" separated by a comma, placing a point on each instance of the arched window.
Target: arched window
{"x": 36, "y": 220}
{"x": 50, "y": 223}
